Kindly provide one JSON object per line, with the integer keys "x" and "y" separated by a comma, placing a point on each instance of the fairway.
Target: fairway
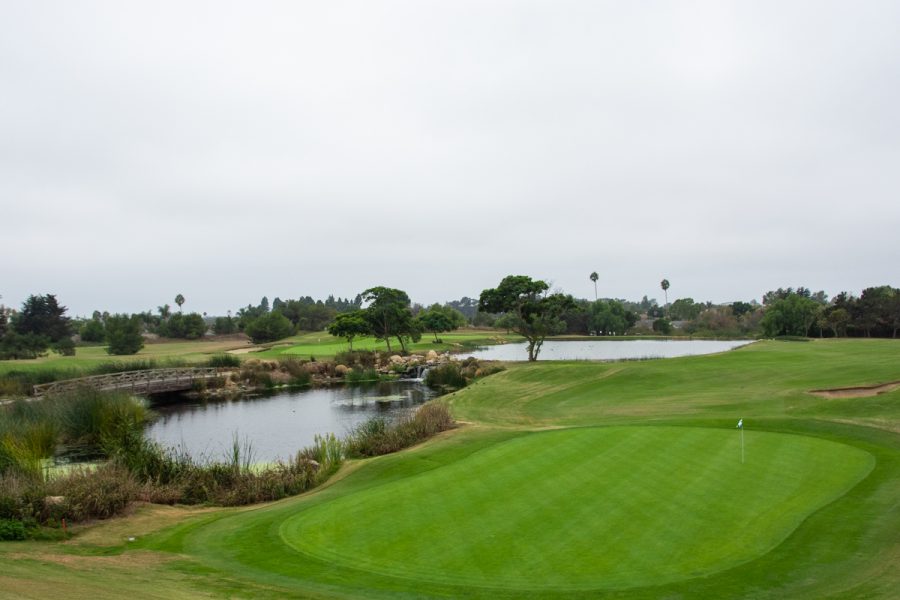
{"x": 585, "y": 508}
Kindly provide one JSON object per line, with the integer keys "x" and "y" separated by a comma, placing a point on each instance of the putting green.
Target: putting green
{"x": 585, "y": 508}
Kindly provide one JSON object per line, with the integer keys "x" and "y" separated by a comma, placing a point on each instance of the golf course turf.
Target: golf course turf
{"x": 581, "y": 479}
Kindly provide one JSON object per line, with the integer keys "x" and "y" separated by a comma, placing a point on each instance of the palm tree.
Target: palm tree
{"x": 179, "y": 300}
{"x": 664, "y": 284}
{"x": 594, "y": 278}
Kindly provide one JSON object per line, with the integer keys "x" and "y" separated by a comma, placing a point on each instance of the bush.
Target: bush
{"x": 662, "y": 326}
{"x": 359, "y": 375}
{"x": 269, "y": 327}
{"x": 448, "y": 375}
{"x": 12, "y": 530}
{"x": 14, "y": 345}
{"x": 93, "y": 331}
{"x": 91, "y": 493}
{"x": 123, "y": 334}
{"x": 224, "y": 325}
{"x": 190, "y": 327}
{"x": 357, "y": 358}
{"x": 224, "y": 361}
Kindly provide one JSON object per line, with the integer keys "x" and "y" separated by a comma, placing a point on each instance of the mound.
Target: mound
{"x": 587, "y": 508}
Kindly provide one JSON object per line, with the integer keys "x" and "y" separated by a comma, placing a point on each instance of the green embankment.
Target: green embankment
{"x": 618, "y": 480}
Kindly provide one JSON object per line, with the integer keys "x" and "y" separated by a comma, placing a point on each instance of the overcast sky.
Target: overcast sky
{"x": 228, "y": 151}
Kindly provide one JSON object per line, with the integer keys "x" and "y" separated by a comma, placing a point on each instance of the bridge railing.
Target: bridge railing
{"x": 147, "y": 381}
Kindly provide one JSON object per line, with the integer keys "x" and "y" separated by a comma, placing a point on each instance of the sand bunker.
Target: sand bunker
{"x": 857, "y": 392}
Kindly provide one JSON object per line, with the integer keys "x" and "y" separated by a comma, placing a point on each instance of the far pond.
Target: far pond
{"x": 606, "y": 349}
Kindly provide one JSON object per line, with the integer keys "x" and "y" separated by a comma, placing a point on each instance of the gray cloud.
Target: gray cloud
{"x": 226, "y": 151}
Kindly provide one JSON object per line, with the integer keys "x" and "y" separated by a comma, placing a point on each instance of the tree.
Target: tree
{"x": 264, "y": 304}
{"x": 14, "y": 345}
{"x": 792, "y": 315}
{"x": 685, "y": 309}
{"x": 594, "y": 278}
{"x": 43, "y": 316}
{"x": 611, "y": 318}
{"x": 438, "y": 319}
{"x": 224, "y": 325}
{"x": 123, "y": 333}
{"x": 389, "y": 315}
{"x": 93, "y": 331}
{"x": 532, "y": 312}
{"x": 181, "y": 326}
{"x": 349, "y": 325}
{"x": 179, "y": 300}
{"x": 39, "y": 325}
{"x": 269, "y": 327}
{"x": 741, "y": 308}
{"x": 662, "y": 326}
{"x": 664, "y": 284}
{"x": 164, "y": 311}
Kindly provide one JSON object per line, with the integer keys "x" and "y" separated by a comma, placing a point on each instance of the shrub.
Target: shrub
{"x": 12, "y": 530}
{"x": 93, "y": 331}
{"x": 123, "y": 333}
{"x": 224, "y": 361}
{"x": 357, "y": 358}
{"x": 662, "y": 326}
{"x": 448, "y": 375}
{"x": 190, "y": 326}
{"x": 360, "y": 375}
{"x": 92, "y": 493}
{"x": 269, "y": 327}
{"x": 224, "y": 325}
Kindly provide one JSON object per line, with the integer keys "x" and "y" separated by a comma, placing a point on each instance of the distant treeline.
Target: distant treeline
{"x": 41, "y": 324}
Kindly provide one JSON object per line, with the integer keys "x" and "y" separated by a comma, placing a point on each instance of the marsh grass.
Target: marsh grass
{"x": 361, "y": 375}
{"x": 377, "y": 436}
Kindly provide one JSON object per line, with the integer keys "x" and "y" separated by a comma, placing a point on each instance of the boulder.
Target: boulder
{"x": 396, "y": 359}
{"x": 341, "y": 370}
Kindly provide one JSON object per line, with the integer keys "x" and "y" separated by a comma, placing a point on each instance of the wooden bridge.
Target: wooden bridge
{"x": 149, "y": 381}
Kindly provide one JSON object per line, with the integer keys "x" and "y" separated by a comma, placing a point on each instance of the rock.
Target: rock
{"x": 54, "y": 500}
{"x": 431, "y": 356}
{"x": 341, "y": 370}
{"x": 396, "y": 359}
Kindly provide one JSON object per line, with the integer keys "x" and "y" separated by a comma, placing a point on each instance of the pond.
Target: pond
{"x": 277, "y": 425}
{"x": 606, "y": 349}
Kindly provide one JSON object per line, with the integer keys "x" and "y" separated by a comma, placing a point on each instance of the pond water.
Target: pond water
{"x": 606, "y": 349}
{"x": 279, "y": 424}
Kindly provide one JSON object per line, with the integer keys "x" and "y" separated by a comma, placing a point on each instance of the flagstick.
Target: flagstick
{"x": 742, "y": 445}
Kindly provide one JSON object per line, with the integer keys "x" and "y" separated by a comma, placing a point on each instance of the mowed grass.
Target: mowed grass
{"x": 585, "y": 508}
{"x": 321, "y": 345}
{"x": 195, "y": 351}
{"x": 763, "y": 380}
{"x": 589, "y": 480}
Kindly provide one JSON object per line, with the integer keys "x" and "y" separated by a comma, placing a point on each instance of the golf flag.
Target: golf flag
{"x": 740, "y": 424}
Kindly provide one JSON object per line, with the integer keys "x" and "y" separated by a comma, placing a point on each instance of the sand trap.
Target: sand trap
{"x": 857, "y": 392}
{"x": 245, "y": 350}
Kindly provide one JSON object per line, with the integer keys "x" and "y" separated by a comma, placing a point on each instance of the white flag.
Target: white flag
{"x": 740, "y": 424}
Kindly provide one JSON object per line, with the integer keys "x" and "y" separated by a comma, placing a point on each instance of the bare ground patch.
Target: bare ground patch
{"x": 857, "y": 392}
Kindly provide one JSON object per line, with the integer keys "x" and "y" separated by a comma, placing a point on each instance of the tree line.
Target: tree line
{"x": 519, "y": 303}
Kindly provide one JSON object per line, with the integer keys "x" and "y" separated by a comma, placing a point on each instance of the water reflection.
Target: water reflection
{"x": 278, "y": 424}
